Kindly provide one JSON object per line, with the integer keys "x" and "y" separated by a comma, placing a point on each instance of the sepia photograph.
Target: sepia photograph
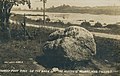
{"x": 59, "y": 37}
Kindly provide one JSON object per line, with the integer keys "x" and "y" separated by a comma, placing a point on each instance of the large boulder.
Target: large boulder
{"x": 74, "y": 43}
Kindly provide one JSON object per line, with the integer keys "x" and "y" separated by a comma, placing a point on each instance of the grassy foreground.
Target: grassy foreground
{"x": 26, "y": 50}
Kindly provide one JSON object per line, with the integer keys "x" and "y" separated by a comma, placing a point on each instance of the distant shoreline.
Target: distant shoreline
{"x": 106, "y": 10}
{"x": 69, "y": 12}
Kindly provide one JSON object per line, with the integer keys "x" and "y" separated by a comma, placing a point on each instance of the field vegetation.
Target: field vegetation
{"x": 27, "y": 49}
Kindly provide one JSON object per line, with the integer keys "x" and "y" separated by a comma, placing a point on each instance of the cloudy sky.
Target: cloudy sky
{"x": 37, "y": 3}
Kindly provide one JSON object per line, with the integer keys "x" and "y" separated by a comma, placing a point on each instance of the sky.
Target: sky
{"x": 82, "y": 3}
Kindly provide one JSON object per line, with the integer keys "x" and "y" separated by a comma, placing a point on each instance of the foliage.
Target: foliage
{"x": 5, "y": 9}
{"x": 23, "y": 50}
{"x": 85, "y": 24}
{"x": 98, "y": 24}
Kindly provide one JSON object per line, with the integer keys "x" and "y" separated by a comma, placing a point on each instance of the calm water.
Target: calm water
{"x": 75, "y": 18}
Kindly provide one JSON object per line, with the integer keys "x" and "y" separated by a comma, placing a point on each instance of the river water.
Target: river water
{"x": 108, "y": 19}
{"x": 75, "y": 18}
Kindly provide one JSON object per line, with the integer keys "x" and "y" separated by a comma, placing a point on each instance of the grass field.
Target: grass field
{"x": 26, "y": 50}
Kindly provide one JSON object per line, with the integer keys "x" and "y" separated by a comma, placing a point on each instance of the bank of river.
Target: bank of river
{"x": 75, "y": 18}
{"x": 104, "y": 35}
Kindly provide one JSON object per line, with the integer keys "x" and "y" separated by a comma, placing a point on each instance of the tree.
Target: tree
{"x": 98, "y": 24}
{"x": 44, "y": 1}
{"x": 5, "y": 9}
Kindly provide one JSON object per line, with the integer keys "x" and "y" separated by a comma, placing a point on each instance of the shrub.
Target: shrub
{"x": 85, "y": 24}
{"x": 98, "y": 24}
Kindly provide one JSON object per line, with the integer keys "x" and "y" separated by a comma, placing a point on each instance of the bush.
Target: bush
{"x": 69, "y": 23}
{"x": 113, "y": 26}
{"x": 98, "y": 24}
{"x": 85, "y": 24}
{"x": 47, "y": 19}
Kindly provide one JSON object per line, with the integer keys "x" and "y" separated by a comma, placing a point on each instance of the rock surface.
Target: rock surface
{"x": 74, "y": 43}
